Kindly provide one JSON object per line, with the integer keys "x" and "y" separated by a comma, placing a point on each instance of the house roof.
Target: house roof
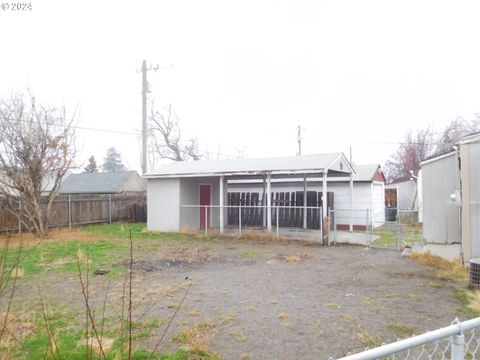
{"x": 336, "y": 163}
{"x": 96, "y": 183}
{"x": 475, "y": 137}
{"x": 365, "y": 172}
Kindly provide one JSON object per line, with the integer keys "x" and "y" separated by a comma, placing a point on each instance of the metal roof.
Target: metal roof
{"x": 96, "y": 183}
{"x": 290, "y": 165}
{"x": 363, "y": 173}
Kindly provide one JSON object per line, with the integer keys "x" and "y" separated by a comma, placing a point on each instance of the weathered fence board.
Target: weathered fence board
{"x": 71, "y": 210}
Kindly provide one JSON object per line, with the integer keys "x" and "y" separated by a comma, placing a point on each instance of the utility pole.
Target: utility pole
{"x": 145, "y": 90}
{"x": 299, "y": 140}
{"x": 144, "y": 116}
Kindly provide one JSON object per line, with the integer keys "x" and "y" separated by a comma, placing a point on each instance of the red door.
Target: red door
{"x": 204, "y": 206}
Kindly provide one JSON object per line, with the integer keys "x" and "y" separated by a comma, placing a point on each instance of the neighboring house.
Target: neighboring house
{"x": 400, "y": 196}
{"x": 451, "y": 197}
{"x": 194, "y": 194}
{"x": 49, "y": 181}
{"x": 368, "y": 194}
{"x": 103, "y": 183}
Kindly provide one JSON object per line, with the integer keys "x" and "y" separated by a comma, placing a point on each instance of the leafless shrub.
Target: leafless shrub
{"x": 36, "y": 146}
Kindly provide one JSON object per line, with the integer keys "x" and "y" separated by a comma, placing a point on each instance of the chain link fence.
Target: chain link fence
{"x": 459, "y": 341}
{"x": 285, "y": 221}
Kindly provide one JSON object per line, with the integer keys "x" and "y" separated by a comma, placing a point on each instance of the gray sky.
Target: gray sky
{"x": 246, "y": 73}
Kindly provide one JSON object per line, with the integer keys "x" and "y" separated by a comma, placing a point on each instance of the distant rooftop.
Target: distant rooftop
{"x": 96, "y": 183}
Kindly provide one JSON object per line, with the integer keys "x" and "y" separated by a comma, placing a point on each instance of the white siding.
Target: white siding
{"x": 440, "y": 214}
{"x": 163, "y": 204}
{"x": 378, "y": 204}
{"x": 474, "y": 197}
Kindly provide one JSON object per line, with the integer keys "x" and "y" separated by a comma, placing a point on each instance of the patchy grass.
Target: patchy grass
{"x": 389, "y": 236}
{"x": 196, "y": 341}
{"x": 402, "y": 330}
{"x": 62, "y": 256}
{"x": 470, "y": 300}
{"x": 139, "y": 231}
{"x": 64, "y": 339}
{"x": 442, "y": 268}
{"x": 251, "y": 253}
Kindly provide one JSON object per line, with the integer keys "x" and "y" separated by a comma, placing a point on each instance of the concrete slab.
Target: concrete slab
{"x": 446, "y": 251}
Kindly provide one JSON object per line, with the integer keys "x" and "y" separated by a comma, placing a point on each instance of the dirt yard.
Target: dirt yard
{"x": 265, "y": 300}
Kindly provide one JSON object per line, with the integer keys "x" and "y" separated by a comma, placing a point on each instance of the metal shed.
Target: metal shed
{"x": 441, "y": 224}
{"x": 202, "y": 185}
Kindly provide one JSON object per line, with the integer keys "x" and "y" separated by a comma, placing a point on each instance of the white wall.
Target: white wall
{"x": 378, "y": 203}
{"x": 190, "y": 195}
{"x": 163, "y": 204}
{"x": 440, "y": 214}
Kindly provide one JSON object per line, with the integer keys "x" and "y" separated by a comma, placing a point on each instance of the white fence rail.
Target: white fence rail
{"x": 457, "y": 342}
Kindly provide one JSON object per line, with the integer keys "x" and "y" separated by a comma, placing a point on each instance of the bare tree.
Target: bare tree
{"x": 36, "y": 142}
{"x": 167, "y": 137}
{"x": 405, "y": 162}
{"x": 454, "y": 131}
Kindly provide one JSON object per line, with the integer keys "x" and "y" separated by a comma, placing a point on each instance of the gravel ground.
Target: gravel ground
{"x": 278, "y": 301}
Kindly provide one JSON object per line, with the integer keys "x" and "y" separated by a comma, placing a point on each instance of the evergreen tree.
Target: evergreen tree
{"x": 113, "y": 161}
{"x": 92, "y": 165}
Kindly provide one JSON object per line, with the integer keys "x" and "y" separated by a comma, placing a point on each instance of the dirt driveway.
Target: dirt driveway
{"x": 277, "y": 301}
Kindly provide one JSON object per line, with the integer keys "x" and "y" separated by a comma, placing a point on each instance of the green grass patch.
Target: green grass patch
{"x": 68, "y": 341}
{"x": 470, "y": 302}
{"x": 390, "y": 235}
{"x": 139, "y": 231}
{"x": 62, "y": 256}
{"x": 251, "y": 253}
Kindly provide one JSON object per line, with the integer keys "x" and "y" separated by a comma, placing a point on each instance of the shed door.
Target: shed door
{"x": 205, "y": 191}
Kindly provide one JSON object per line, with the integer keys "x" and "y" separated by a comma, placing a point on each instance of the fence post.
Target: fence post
{"x": 19, "y": 217}
{"x": 458, "y": 347}
{"x": 399, "y": 231}
{"x": 369, "y": 239}
{"x": 206, "y": 220}
{"x": 240, "y": 219}
{"x": 69, "y": 211}
{"x": 277, "y": 223}
{"x": 109, "y": 208}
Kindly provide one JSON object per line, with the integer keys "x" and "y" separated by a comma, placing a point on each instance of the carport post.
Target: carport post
{"x": 269, "y": 202}
{"x": 221, "y": 204}
{"x": 325, "y": 196}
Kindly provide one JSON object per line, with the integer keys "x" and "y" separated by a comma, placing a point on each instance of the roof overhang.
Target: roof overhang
{"x": 436, "y": 158}
{"x": 337, "y": 167}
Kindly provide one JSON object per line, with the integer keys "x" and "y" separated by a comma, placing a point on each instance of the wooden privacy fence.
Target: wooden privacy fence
{"x": 290, "y": 212}
{"x": 71, "y": 210}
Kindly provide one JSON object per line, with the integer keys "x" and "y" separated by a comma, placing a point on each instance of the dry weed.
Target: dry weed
{"x": 282, "y": 316}
{"x": 228, "y": 318}
{"x": 251, "y": 309}
{"x": 444, "y": 269}
{"x": 196, "y": 339}
{"x": 237, "y": 335}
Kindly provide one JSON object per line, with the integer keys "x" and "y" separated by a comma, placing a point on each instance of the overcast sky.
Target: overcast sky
{"x": 245, "y": 73}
